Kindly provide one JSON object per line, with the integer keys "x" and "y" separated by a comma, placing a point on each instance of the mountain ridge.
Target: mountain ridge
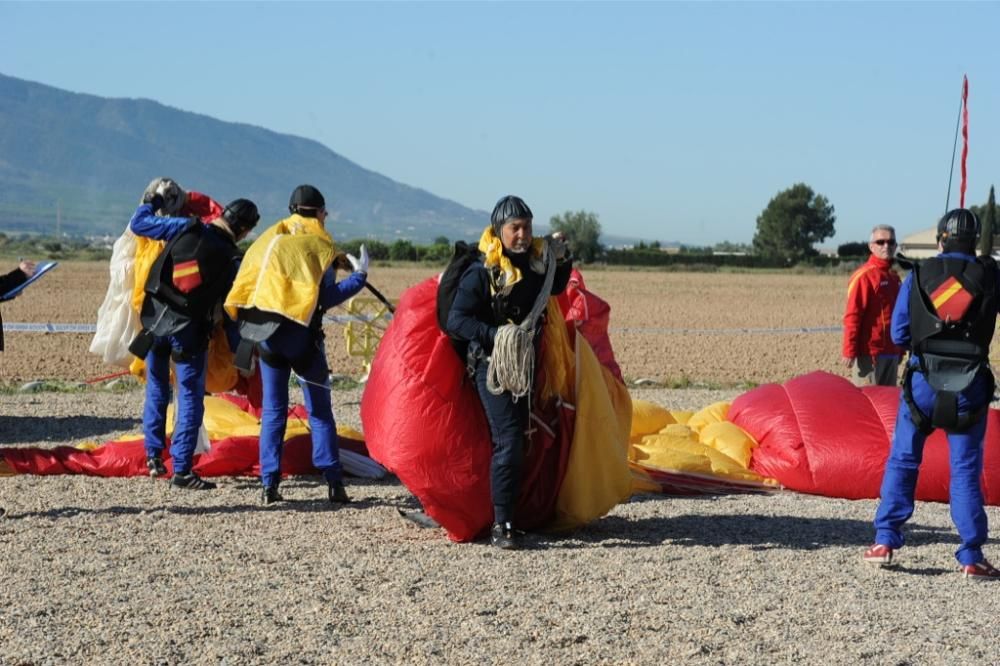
{"x": 89, "y": 158}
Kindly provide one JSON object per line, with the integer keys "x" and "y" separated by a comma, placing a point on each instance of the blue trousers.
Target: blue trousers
{"x": 899, "y": 483}
{"x": 294, "y": 347}
{"x": 508, "y": 420}
{"x": 190, "y": 374}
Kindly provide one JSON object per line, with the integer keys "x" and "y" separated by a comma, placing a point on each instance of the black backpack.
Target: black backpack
{"x": 463, "y": 256}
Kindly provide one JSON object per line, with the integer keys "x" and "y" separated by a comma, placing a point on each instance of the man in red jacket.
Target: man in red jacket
{"x": 871, "y": 295}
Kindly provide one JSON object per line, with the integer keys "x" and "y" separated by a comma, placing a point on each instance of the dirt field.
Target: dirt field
{"x": 110, "y": 571}
{"x": 116, "y": 571}
{"x": 674, "y": 328}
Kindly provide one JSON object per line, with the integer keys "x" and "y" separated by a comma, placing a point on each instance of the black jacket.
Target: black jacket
{"x": 7, "y": 282}
{"x": 475, "y": 315}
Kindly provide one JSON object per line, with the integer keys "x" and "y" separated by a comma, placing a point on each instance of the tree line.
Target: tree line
{"x": 787, "y": 230}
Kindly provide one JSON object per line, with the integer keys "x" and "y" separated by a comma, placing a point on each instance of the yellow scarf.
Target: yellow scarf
{"x": 492, "y": 248}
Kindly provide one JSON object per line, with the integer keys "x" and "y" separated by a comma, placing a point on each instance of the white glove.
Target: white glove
{"x": 360, "y": 265}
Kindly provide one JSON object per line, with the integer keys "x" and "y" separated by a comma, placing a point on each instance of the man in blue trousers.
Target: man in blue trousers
{"x": 184, "y": 292}
{"x": 945, "y": 315}
{"x": 286, "y": 283}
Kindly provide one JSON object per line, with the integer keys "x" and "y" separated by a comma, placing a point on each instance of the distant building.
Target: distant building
{"x": 920, "y": 245}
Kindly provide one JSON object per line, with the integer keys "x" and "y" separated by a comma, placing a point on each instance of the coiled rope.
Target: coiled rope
{"x": 512, "y": 364}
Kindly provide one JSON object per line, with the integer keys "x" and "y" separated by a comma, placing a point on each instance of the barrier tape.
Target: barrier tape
{"x": 727, "y": 331}
{"x": 367, "y": 319}
{"x": 20, "y": 327}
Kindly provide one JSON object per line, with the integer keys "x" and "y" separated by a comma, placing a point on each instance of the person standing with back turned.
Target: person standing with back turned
{"x": 183, "y": 294}
{"x": 946, "y": 315}
{"x": 286, "y": 283}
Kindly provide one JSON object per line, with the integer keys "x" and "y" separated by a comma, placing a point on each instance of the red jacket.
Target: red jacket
{"x": 871, "y": 295}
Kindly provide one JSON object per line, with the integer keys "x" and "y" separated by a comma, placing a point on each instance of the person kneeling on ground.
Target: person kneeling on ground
{"x": 183, "y": 295}
{"x": 946, "y": 315}
{"x": 287, "y": 282}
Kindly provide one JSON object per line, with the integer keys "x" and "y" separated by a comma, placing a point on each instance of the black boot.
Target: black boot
{"x": 337, "y": 494}
{"x": 502, "y": 535}
{"x": 155, "y": 466}
{"x": 270, "y": 495}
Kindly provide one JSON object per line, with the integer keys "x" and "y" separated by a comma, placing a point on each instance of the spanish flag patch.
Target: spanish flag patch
{"x": 951, "y": 300}
{"x": 187, "y": 277}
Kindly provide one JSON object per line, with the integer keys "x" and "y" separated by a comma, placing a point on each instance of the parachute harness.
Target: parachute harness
{"x": 512, "y": 364}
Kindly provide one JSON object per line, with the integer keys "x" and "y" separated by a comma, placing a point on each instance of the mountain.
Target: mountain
{"x": 85, "y": 160}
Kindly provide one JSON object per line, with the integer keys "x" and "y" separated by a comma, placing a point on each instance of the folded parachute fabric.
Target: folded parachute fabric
{"x": 680, "y": 453}
{"x": 234, "y": 436}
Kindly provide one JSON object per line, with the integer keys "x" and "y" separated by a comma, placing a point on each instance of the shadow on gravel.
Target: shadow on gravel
{"x": 289, "y": 505}
{"x": 921, "y": 571}
{"x": 759, "y": 532}
{"x": 61, "y": 429}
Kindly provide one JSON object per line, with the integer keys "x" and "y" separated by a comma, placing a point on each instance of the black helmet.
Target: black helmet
{"x": 241, "y": 216}
{"x": 960, "y": 225}
{"x": 509, "y": 208}
{"x": 306, "y": 197}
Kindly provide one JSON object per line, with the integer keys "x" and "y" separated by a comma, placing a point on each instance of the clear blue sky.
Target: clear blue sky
{"x": 671, "y": 121}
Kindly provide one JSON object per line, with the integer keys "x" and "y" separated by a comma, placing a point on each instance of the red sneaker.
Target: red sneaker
{"x": 879, "y": 554}
{"x": 981, "y": 571}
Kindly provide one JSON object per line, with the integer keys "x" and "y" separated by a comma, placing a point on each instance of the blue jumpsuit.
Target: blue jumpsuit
{"x": 296, "y": 347}
{"x": 965, "y": 452}
{"x": 189, "y": 346}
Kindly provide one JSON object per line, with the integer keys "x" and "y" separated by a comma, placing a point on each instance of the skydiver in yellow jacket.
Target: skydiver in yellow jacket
{"x": 286, "y": 283}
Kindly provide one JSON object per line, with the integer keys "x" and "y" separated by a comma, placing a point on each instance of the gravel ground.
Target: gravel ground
{"x": 129, "y": 571}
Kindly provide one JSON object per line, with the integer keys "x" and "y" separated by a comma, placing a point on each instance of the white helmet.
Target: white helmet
{"x": 174, "y": 197}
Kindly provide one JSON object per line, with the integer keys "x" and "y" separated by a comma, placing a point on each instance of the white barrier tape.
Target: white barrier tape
{"x": 20, "y": 327}
{"x": 49, "y": 328}
{"x": 363, "y": 319}
{"x": 344, "y": 319}
{"x": 727, "y": 331}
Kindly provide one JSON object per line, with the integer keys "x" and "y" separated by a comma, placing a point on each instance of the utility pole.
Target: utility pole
{"x": 58, "y": 218}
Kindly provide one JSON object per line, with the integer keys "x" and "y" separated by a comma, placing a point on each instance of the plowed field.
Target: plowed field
{"x": 675, "y": 328}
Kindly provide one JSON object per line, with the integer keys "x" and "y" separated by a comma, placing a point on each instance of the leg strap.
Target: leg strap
{"x": 920, "y": 420}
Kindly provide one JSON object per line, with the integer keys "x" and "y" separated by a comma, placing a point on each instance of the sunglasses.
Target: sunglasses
{"x": 884, "y": 241}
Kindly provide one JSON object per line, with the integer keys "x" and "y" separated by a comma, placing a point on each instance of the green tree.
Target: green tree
{"x": 730, "y": 247}
{"x": 402, "y": 250}
{"x": 376, "y": 249}
{"x": 852, "y": 249}
{"x": 442, "y": 240}
{"x": 793, "y": 221}
{"x": 582, "y": 231}
{"x": 988, "y": 218}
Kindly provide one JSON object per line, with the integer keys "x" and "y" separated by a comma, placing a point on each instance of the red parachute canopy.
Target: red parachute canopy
{"x": 228, "y": 456}
{"x": 820, "y": 434}
{"x": 201, "y": 205}
{"x": 591, "y": 316}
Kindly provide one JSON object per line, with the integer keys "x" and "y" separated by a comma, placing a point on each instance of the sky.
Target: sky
{"x": 671, "y": 121}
